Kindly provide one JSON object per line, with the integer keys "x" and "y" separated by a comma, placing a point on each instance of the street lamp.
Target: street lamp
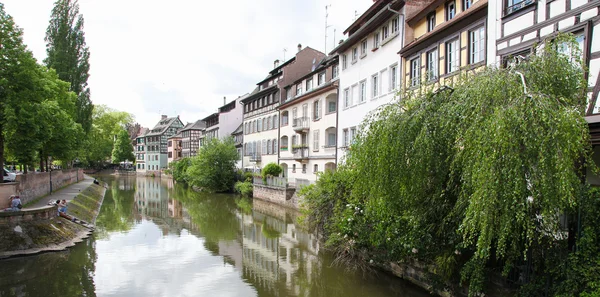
{"x": 50, "y": 169}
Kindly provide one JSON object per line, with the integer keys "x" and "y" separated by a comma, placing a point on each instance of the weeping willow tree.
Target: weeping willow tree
{"x": 468, "y": 174}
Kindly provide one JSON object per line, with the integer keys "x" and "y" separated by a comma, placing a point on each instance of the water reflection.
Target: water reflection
{"x": 156, "y": 238}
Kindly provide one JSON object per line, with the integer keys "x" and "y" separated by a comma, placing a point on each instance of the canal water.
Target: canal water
{"x": 156, "y": 238}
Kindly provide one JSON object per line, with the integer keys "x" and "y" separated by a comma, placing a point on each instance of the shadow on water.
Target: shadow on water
{"x": 157, "y": 238}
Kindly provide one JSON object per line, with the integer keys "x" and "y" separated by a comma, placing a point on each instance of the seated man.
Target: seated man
{"x": 15, "y": 203}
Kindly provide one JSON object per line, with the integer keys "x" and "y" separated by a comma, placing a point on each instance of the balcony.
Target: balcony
{"x": 255, "y": 158}
{"x": 301, "y": 125}
{"x": 301, "y": 154}
{"x": 518, "y": 6}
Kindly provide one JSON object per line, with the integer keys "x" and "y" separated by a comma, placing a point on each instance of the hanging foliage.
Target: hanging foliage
{"x": 473, "y": 172}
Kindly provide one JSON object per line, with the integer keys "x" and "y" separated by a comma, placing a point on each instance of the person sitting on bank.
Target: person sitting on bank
{"x": 15, "y": 203}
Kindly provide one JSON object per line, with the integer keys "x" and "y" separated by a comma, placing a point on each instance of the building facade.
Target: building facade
{"x": 308, "y": 133}
{"x": 174, "y": 148}
{"x": 224, "y": 122}
{"x": 190, "y": 138}
{"x": 369, "y": 74}
{"x": 238, "y": 138}
{"x": 261, "y": 117}
{"x": 156, "y": 143}
{"x": 140, "y": 151}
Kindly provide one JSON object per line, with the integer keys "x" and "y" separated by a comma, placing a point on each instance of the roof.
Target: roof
{"x": 178, "y": 135}
{"x": 276, "y": 70}
{"x": 369, "y": 26}
{"x": 162, "y": 126}
{"x": 332, "y": 85}
{"x": 239, "y": 130}
{"x": 216, "y": 114}
{"x": 198, "y": 125}
{"x": 142, "y": 132}
{"x": 449, "y": 25}
{"x": 257, "y": 92}
{"x": 322, "y": 65}
{"x": 365, "y": 16}
{"x": 419, "y": 13}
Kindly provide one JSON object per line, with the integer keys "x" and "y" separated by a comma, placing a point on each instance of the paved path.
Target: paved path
{"x": 68, "y": 193}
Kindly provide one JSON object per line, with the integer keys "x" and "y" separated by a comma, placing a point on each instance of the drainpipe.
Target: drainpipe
{"x": 400, "y": 22}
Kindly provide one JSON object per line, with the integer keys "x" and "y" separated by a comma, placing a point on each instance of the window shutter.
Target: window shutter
{"x": 316, "y": 140}
{"x": 275, "y": 147}
{"x": 264, "y": 147}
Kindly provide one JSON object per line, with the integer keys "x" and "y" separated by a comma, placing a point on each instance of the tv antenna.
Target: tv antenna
{"x": 284, "y": 50}
{"x": 326, "y": 26}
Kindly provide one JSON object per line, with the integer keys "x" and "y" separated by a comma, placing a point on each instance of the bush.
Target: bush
{"x": 271, "y": 169}
{"x": 244, "y": 188}
{"x": 213, "y": 169}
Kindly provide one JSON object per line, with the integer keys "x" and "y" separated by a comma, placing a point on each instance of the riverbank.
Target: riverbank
{"x": 27, "y": 237}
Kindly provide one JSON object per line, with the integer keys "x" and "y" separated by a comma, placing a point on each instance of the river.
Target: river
{"x": 156, "y": 238}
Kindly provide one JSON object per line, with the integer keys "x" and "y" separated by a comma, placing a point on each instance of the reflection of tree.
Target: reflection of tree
{"x": 117, "y": 209}
{"x": 68, "y": 273}
{"x": 213, "y": 214}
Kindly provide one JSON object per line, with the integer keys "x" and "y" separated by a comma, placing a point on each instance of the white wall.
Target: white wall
{"x": 375, "y": 62}
{"x": 231, "y": 120}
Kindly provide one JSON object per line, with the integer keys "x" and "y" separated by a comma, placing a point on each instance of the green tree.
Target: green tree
{"x": 107, "y": 123}
{"x": 213, "y": 169}
{"x": 69, "y": 55}
{"x": 18, "y": 79}
{"x": 122, "y": 149}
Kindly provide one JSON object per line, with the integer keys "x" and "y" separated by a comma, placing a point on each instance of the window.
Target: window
{"x": 331, "y": 106}
{"x": 354, "y": 54}
{"x": 288, "y": 91}
{"x": 352, "y": 134}
{"x": 393, "y": 77}
{"x": 362, "y": 96}
{"x": 298, "y": 89}
{"x": 285, "y": 118}
{"x": 303, "y": 168}
{"x": 284, "y": 143}
{"x": 304, "y": 110}
{"x": 331, "y": 137}
{"x": 376, "y": 40}
{"x": 275, "y": 121}
{"x": 293, "y": 167}
{"x": 317, "y": 110}
{"x": 476, "y": 45}
{"x": 268, "y": 147}
{"x": 309, "y": 84}
{"x": 344, "y": 62}
{"x": 345, "y": 137}
{"x": 346, "y": 98}
{"x": 515, "y": 5}
{"x": 452, "y": 56}
{"x": 363, "y": 48}
{"x": 169, "y": 144}
{"x": 321, "y": 78}
{"x": 432, "y": 65}
{"x": 385, "y": 32}
{"x": 466, "y": 4}
{"x": 395, "y": 25}
{"x": 269, "y": 124}
{"x": 316, "y": 168}
{"x": 336, "y": 71}
{"x": 431, "y": 22}
{"x": 274, "y": 148}
{"x": 259, "y": 126}
{"x": 415, "y": 72}
{"x": 315, "y": 140}
{"x": 375, "y": 85}
{"x": 294, "y": 113}
{"x": 450, "y": 10}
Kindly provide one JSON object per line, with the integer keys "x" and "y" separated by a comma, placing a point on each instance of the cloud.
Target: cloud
{"x": 182, "y": 57}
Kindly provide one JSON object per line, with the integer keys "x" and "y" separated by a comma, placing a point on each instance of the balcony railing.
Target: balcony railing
{"x": 273, "y": 181}
{"x": 301, "y": 154}
{"x": 517, "y": 6}
{"x": 301, "y": 124}
{"x": 301, "y": 183}
{"x": 255, "y": 158}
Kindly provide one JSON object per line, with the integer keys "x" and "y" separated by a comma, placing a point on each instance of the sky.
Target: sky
{"x": 182, "y": 57}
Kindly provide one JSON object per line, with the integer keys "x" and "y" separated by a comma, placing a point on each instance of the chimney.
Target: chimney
{"x": 276, "y": 64}
{"x": 299, "y": 47}
{"x": 341, "y": 41}
{"x": 164, "y": 116}
{"x": 224, "y": 100}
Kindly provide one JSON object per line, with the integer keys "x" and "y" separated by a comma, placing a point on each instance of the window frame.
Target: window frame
{"x": 385, "y": 32}
{"x": 321, "y": 77}
{"x": 344, "y": 61}
{"x": 376, "y": 40}
{"x": 447, "y": 52}
{"x": 347, "y": 99}
{"x": 431, "y": 22}
{"x": 375, "y": 92}
{"x": 395, "y": 25}
{"x": 393, "y": 77}
{"x": 465, "y": 6}
{"x": 435, "y": 63}
{"x": 354, "y": 54}
{"x": 415, "y": 72}
{"x": 363, "y": 48}
{"x": 362, "y": 91}
{"x": 317, "y": 110}
{"x": 471, "y": 45}
{"x": 309, "y": 84}
{"x": 450, "y": 14}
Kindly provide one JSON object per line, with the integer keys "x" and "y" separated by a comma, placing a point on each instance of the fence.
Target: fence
{"x": 301, "y": 183}
{"x": 278, "y": 182}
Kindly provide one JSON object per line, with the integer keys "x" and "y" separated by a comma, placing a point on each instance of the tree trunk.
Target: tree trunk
{"x": 41, "y": 161}
{"x": 1, "y": 152}
{"x": 47, "y": 165}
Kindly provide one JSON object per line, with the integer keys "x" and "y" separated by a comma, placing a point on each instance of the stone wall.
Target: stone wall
{"x": 37, "y": 184}
{"x": 281, "y": 196}
{"x": 34, "y": 214}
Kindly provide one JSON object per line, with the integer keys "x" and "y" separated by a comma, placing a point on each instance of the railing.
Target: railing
{"x": 273, "y": 181}
{"x": 255, "y": 158}
{"x": 301, "y": 124}
{"x": 301, "y": 153}
{"x": 518, "y": 6}
{"x": 301, "y": 183}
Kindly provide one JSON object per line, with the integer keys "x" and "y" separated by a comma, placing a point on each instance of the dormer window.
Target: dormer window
{"x": 385, "y": 31}
{"x": 450, "y": 10}
{"x": 431, "y": 22}
{"x": 298, "y": 89}
{"x": 354, "y": 54}
{"x": 376, "y": 40}
{"x": 309, "y": 84}
{"x": 395, "y": 25}
{"x": 321, "y": 78}
{"x": 467, "y": 4}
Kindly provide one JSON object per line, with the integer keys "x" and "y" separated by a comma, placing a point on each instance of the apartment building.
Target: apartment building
{"x": 226, "y": 120}
{"x": 443, "y": 38}
{"x": 238, "y": 138}
{"x": 174, "y": 148}
{"x": 156, "y": 142}
{"x": 190, "y": 138}
{"x": 308, "y": 133}
{"x": 369, "y": 74}
{"x": 261, "y": 117}
{"x": 140, "y": 150}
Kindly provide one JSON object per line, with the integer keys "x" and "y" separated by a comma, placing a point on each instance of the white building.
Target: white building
{"x": 369, "y": 62}
{"x": 222, "y": 123}
{"x": 308, "y": 123}
{"x": 261, "y": 117}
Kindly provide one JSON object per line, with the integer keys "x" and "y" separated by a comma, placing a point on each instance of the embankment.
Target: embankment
{"x": 40, "y": 230}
